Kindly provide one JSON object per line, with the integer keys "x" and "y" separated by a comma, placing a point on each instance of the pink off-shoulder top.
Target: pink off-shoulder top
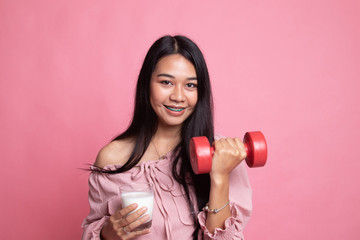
{"x": 172, "y": 218}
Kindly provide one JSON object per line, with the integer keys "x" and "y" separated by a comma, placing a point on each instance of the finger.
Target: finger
{"x": 133, "y": 217}
{"x": 125, "y": 231}
{"x": 141, "y": 232}
{"x": 224, "y": 142}
{"x": 118, "y": 217}
{"x": 241, "y": 146}
{"x": 233, "y": 149}
{"x": 216, "y": 143}
{"x": 134, "y": 225}
{"x": 239, "y": 143}
{"x": 231, "y": 142}
{"x": 135, "y": 234}
{"x": 221, "y": 144}
{"x": 126, "y": 210}
{"x": 129, "y": 230}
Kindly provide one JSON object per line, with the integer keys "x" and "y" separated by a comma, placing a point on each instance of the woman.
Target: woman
{"x": 173, "y": 103}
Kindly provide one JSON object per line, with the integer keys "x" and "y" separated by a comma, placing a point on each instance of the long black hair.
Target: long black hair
{"x": 199, "y": 123}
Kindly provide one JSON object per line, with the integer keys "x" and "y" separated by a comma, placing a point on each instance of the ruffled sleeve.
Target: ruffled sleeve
{"x": 102, "y": 205}
{"x": 94, "y": 222}
{"x": 240, "y": 207}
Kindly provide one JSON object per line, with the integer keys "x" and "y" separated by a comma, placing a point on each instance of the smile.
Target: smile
{"x": 174, "y": 109}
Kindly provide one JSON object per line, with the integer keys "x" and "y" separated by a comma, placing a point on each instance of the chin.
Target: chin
{"x": 172, "y": 123}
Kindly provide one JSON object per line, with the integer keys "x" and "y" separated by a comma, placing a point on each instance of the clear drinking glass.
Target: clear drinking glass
{"x": 143, "y": 195}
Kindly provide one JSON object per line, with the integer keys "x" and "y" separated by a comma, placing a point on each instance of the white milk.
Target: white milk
{"x": 143, "y": 199}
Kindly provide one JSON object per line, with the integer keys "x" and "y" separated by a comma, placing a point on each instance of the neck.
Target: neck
{"x": 167, "y": 132}
{"x": 166, "y": 139}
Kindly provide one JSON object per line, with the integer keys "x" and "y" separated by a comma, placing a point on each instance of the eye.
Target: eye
{"x": 191, "y": 85}
{"x": 165, "y": 82}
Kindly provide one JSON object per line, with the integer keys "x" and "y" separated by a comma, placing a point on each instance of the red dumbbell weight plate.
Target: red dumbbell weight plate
{"x": 256, "y": 149}
{"x": 200, "y": 155}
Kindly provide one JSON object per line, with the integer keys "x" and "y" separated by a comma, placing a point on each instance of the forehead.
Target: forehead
{"x": 175, "y": 63}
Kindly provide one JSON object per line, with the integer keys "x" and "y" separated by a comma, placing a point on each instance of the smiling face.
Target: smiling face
{"x": 173, "y": 90}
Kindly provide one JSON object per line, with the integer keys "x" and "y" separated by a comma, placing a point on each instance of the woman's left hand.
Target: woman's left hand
{"x": 229, "y": 152}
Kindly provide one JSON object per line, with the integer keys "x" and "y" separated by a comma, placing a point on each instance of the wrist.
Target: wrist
{"x": 102, "y": 237}
{"x": 216, "y": 210}
{"x": 105, "y": 231}
{"x": 219, "y": 189}
{"x": 218, "y": 180}
{"x": 101, "y": 234}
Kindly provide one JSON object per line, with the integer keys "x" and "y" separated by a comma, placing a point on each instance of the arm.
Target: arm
{"x": 228, "y": 222}
{"x": 228, "y": 154}
{"x": 97, "y": 217}
{"x": 107, "y": 219}
{"x": 219, "y": 197}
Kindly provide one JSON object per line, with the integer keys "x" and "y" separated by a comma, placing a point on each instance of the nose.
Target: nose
{"x": 177, "y": 94}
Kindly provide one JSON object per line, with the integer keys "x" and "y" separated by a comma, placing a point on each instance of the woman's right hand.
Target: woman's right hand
{"x": 121, "y": 225}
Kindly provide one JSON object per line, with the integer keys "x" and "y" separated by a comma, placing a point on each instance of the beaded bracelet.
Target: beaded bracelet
{"x": 207, "y": 209}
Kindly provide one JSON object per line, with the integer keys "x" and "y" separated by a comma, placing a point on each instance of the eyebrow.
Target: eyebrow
{"x": 171, "y": 76}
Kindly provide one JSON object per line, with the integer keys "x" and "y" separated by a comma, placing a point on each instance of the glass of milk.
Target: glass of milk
{"x": 143, "y": 195}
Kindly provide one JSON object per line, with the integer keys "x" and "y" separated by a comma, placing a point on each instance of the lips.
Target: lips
{"x": 174, "y": 108}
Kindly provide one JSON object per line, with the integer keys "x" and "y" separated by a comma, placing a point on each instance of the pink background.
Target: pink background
{"x": 288, "y": 68}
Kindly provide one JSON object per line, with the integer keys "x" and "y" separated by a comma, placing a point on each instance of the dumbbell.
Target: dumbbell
{"x": 201, "y": 152}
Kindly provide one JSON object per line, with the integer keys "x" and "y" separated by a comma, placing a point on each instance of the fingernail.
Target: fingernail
{"x": 134, "y": 205}
{"x": 143, "y": 208}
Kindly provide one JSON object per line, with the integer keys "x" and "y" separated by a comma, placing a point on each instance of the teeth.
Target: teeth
{"x": 175, "y": 109}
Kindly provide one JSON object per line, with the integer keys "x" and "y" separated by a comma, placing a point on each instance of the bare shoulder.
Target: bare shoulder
{"x": 115, "y": 152}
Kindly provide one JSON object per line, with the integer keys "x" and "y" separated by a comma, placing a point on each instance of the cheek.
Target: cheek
{"x": 152, "y": 98}
{"x": 156, "y": 97}
{"x": 152, "y": 103}
{"x": 194, "y": 100}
